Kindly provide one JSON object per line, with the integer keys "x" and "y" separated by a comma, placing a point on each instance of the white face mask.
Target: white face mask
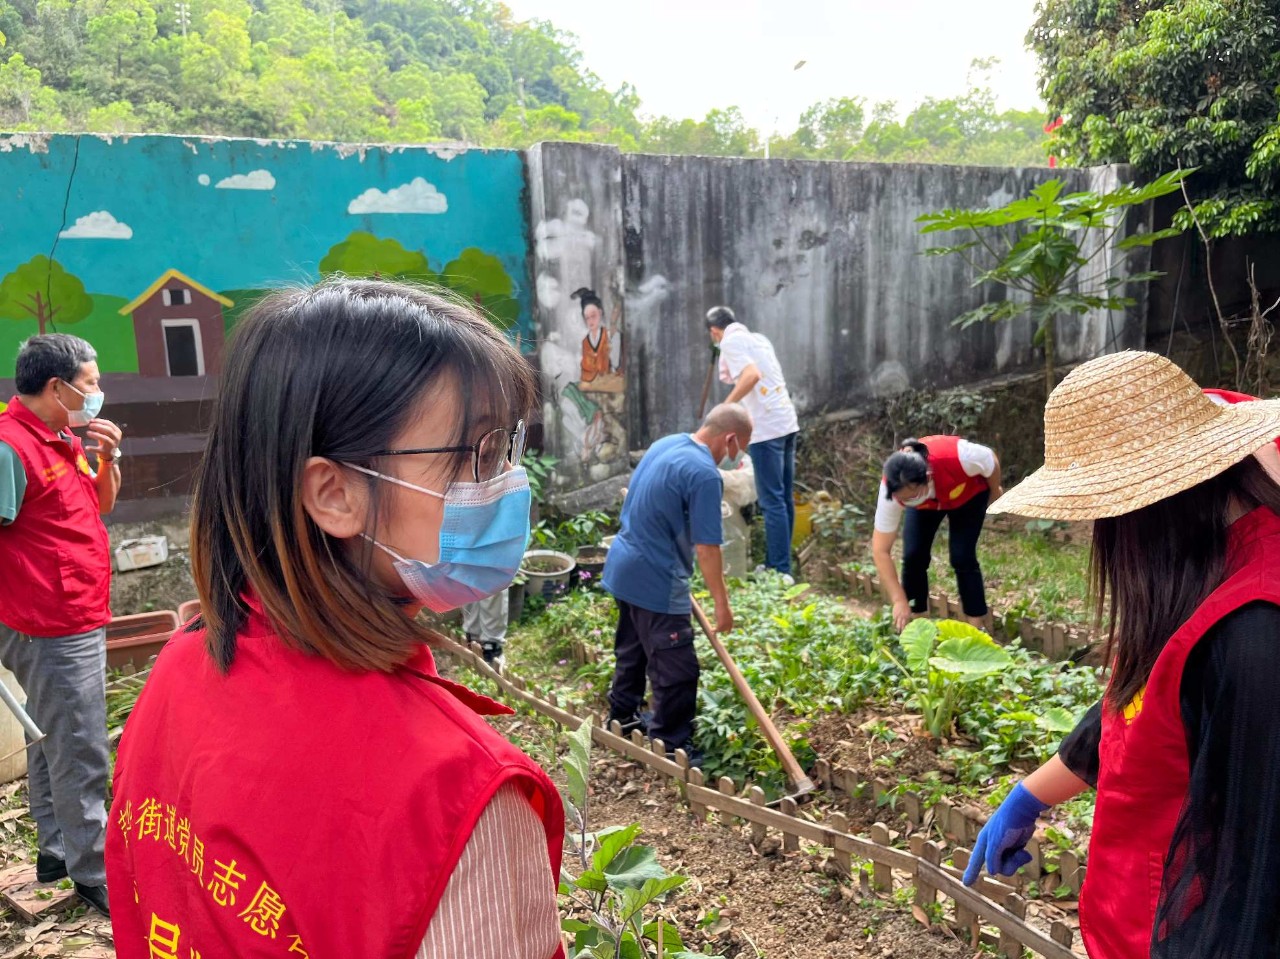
{"x": 88, "y": 412}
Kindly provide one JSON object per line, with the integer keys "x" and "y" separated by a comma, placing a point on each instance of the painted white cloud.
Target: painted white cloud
{"x": 99, "y": 225}
{"x": 254, "y": 180}
{"x": 416, "y": 196}
{"x": 203, "y": 179}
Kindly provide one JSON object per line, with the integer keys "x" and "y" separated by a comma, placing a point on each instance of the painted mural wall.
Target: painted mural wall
{"x": 575, "y": 198}
{"x": 151, "y": 247}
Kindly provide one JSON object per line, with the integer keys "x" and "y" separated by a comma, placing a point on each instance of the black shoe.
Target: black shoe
{"x": 473, "y": 639}
{"x": 95, "y": 896}
{"x": 50, "y": 868}
{"x": 695, "y": 756}
{"x": 636, "y": 720}
{"x": 493, "y": 654}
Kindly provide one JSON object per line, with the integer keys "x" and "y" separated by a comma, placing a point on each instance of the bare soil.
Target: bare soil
{"x": 744, "y": 902}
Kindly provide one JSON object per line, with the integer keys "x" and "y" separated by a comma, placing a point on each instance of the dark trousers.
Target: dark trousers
{"x": 660, "y": 646}
{"x": 774, "y": 463}
{"x": 918, "y": 532}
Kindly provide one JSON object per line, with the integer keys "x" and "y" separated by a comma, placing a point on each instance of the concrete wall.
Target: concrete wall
{"x": 575, "y": 200}
{"x": 825, "y": 259}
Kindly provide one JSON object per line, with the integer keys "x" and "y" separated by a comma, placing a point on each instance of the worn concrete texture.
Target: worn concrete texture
{"x": 826, "y": 260}
{"x": 575, "y": 200}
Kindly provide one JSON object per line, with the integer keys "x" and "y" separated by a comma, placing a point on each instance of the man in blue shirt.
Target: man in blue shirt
{"x": 671, "y": 512}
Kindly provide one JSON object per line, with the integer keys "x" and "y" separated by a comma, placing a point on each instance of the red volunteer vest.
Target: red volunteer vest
{"x": 291, "y": 808}
{"x": 56, "y": 555}
{"x": 952, "y": 486}
{"x": 1144, "y": 767}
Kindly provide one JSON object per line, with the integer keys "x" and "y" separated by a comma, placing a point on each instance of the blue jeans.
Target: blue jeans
{"x": 774, "y": 462}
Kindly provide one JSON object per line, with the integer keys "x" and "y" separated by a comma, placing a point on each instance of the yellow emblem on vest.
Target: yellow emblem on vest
{"x": 82, "y": 465}
{"x": 959, "y": 491}
{"x": 1135, "y": 706}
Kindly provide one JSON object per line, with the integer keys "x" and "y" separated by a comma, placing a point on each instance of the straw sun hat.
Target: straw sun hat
{"x": 1128, "y": 430}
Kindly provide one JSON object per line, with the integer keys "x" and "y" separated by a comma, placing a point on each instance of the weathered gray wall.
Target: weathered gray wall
{"x": 825, "y": 259}
{"x": 575, "y": 200}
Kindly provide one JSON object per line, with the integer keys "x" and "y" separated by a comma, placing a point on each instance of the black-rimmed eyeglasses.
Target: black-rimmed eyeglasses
{"x": 495, "y": 451}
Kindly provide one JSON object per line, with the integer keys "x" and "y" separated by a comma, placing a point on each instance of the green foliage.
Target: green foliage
{"x": 618, "y": 879}
{"x": 540, "y": 466}
{"x": 1038, "y": 246}
{"x": 363, "y": 254}
{"x": 412, "y": 71}
{"x": 807, "y": 656}
{"x": 570, "y": 533}
{"x": 481, "y": 278}
{"x": 964, "y": 129}
{"x": 1171, "y": 83}
{"x": 42, "y": 290}
{"x": 940, "y": 661}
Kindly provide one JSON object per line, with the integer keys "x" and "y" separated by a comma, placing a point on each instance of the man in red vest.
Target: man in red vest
{"x": 54, "y": 596}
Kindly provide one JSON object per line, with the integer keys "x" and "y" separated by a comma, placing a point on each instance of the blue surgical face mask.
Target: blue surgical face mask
{"x": 87, "y": 413}
{"x": 733, "y": 462}
{"x": 482, "y": 540}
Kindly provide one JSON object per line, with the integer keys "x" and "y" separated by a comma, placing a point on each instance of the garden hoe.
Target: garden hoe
{"x": 800, "y": 784}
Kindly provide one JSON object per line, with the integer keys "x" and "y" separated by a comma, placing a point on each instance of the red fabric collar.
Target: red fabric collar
{"x": 19, "y": 411}
{"x": 421, "y": 664}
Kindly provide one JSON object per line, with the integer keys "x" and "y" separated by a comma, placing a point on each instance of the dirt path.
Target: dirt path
{"x": 743, "y": 902}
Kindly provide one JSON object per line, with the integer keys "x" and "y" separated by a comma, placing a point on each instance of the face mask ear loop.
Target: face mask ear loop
{"x": 386, "y": 549}
{"x": 392, "y": 479}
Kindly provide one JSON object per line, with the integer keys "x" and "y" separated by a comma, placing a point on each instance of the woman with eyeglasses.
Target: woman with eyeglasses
{"x": 929, "y": 480}
{"x": 296, "y": 778}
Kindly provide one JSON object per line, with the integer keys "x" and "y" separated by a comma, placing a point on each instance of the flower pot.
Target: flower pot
{"x": 134, "y": 640}
{"x": 590, "y": 560}
{"x": 545, "y": 570}
{"x": 188, "y": 610}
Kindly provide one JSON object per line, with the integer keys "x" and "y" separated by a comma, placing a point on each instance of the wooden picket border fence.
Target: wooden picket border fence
{"x": 1051, "y": 640}
{"x": 990, "y": 903}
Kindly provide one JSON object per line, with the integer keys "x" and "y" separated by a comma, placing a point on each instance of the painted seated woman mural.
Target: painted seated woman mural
{"x": 600, "y": 372}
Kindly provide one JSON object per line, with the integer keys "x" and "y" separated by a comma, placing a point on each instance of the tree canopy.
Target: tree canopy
{"x": 1163, "y": 84}
{"x": 412, "y": 71}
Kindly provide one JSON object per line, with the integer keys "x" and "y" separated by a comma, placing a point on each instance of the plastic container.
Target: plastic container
{"x": 590, "y": 559}
{"x": 552, "y": 570}
{"x": 141, "y": 553}
{"x": 133, "y": 640}
{"x": 737, "y": 542}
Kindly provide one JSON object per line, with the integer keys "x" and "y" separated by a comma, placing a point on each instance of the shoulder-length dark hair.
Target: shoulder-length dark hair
{"x": 1149, "y": 570}
{"x": 907, "y": 467}
{"x": 334, "y": 371}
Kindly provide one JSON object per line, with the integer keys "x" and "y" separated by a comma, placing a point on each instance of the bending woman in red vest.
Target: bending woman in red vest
{"x": 296, "y": 778}
{"x": 928, "y": 480}
{"x": 1184, "y": 749}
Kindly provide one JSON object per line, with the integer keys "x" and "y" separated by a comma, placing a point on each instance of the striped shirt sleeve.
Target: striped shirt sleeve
{"x": 500, "y": 902}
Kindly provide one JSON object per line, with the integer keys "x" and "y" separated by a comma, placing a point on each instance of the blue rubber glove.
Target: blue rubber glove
{"x": 1000, "y": 844}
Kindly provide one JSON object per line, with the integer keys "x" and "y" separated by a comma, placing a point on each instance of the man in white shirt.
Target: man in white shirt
{"x": 748, "y": 362}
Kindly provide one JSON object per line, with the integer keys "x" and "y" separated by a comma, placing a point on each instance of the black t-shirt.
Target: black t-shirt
{"x": 1223, "y": 900}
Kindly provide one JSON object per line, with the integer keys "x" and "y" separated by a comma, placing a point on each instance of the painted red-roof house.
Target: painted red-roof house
{"x": 179, "y": 327}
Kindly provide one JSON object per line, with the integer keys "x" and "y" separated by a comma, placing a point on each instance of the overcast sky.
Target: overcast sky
{"x": 687, "y": 56}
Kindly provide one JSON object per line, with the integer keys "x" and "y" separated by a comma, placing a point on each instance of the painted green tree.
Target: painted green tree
{"x": 42, "y": 290}
{"x": 363, "y": 254}
{"x": 480, "y": 277}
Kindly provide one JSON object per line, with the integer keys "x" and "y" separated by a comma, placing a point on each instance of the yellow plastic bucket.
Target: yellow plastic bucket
{"x": 804, "y": 521}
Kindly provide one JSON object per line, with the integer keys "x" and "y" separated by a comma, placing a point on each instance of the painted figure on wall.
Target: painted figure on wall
{"x": 601, "y": 369}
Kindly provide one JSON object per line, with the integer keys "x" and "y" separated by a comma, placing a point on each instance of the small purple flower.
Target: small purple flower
{"x": 585, "y": 576}
{"x": 564, "y": 662}
{"x": 597, "y": 632}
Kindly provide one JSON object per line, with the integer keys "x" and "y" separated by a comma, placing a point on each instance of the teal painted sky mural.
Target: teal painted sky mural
{"x": 236, "y": 217}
